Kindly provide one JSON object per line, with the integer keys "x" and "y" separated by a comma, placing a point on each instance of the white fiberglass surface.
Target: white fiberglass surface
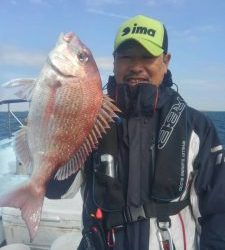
{"x": 8, "y": 179}
{"x": 7, "y": 157}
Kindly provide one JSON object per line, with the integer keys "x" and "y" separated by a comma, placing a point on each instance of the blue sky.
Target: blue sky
{"x": 29, "y": 30}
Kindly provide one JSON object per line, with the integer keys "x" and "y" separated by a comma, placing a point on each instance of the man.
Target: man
{"x": 157, "y": 179}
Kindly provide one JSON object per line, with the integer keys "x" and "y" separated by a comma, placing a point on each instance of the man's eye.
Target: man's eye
{"x": 124, "y": 57}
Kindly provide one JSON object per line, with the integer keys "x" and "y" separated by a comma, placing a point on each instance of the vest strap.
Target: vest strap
{"x": 161, "y": 211}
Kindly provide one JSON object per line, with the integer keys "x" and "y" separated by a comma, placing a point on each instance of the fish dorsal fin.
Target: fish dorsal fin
{"x": 105, "y": 117}
{"x": 21, "y": 148}
{"x": 24, "y": 87}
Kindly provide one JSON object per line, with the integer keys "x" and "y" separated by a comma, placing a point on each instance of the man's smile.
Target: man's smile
{"x": 136, "y": 80}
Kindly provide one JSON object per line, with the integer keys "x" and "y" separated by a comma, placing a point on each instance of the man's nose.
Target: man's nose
{"x": 136, "y": 65}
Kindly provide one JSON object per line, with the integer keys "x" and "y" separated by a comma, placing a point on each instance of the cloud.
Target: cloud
{"x": 13, "y": 2}
{"x": 94, "y": 6}
{"x": 196, "y": 82}
{"x": 206, "y": 28}
{"x": 104, "y": 63}
{"x": 37, "y": 1}
{"x": 165, "y": 2}
{"x": 203, "y": 85}
{"x": 104, "y": 2}
{"x": 105, "y": 66}
{"x": 188, "y": 35}
{"x": 97, "y": 6}
{"x": 210, "y": 97}
{"x": 104, "y": 13}
{"x": 13, "y": 56}
{"x": 41, "y": 2}
{"x": 194, "y": 33}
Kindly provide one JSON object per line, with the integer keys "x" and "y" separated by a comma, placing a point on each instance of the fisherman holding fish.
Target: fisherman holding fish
{"x": 156, "y": 177}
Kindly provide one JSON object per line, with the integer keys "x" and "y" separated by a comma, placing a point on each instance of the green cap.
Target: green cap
{"x": 150, "y": 33}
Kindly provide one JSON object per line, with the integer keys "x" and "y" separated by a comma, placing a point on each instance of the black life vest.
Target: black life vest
{"x": 169, "y": 170}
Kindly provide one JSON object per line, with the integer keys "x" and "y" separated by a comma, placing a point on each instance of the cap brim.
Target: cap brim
{"x": 151, "y": 47}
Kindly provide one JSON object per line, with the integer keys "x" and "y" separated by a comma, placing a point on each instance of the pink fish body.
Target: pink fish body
{"x": 67, "y": 116}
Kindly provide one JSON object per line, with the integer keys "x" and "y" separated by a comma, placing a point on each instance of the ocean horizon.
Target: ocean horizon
{"x": 217, "y": 117}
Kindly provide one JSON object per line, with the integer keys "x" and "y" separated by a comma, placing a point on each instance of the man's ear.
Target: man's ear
{"x": 166, "y": 59}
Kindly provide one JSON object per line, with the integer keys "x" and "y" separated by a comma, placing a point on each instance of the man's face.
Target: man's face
{"x": 133, "y": 65}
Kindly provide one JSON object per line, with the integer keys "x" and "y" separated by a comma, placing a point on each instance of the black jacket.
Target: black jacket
{"x": 204, "y": 219}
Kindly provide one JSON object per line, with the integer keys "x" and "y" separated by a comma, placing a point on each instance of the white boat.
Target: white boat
{"x": 59, "y": 217}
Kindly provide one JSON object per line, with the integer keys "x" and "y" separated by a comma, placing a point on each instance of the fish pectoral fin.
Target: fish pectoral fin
{"x": 78, "y": 160}
{"x": 29, "y": 201}
{"x": 24, "y": 87}
{"x": 102, "y": 123}
{"x": 21, "y": 148}
{"x": 71, "y": 167}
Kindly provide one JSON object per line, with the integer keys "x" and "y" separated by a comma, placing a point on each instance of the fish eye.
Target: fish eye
{"x": 83, "y": 57}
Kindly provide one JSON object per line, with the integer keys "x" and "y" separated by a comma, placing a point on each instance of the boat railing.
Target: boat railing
{"x": 11, "y": 115}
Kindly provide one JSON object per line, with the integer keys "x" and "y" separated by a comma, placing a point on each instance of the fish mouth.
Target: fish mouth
{"x": 68, "y": 37}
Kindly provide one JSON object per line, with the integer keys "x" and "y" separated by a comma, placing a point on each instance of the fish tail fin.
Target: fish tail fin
{"x": 30, "y": 201}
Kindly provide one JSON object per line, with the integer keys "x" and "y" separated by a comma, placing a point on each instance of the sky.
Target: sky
{"x": 29, "y": 30}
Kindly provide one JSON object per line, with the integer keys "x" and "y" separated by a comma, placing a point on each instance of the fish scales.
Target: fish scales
{"x": 67, "y": 116}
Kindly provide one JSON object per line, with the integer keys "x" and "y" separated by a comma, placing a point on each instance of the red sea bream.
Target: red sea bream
{"x": 68, "y": 114}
